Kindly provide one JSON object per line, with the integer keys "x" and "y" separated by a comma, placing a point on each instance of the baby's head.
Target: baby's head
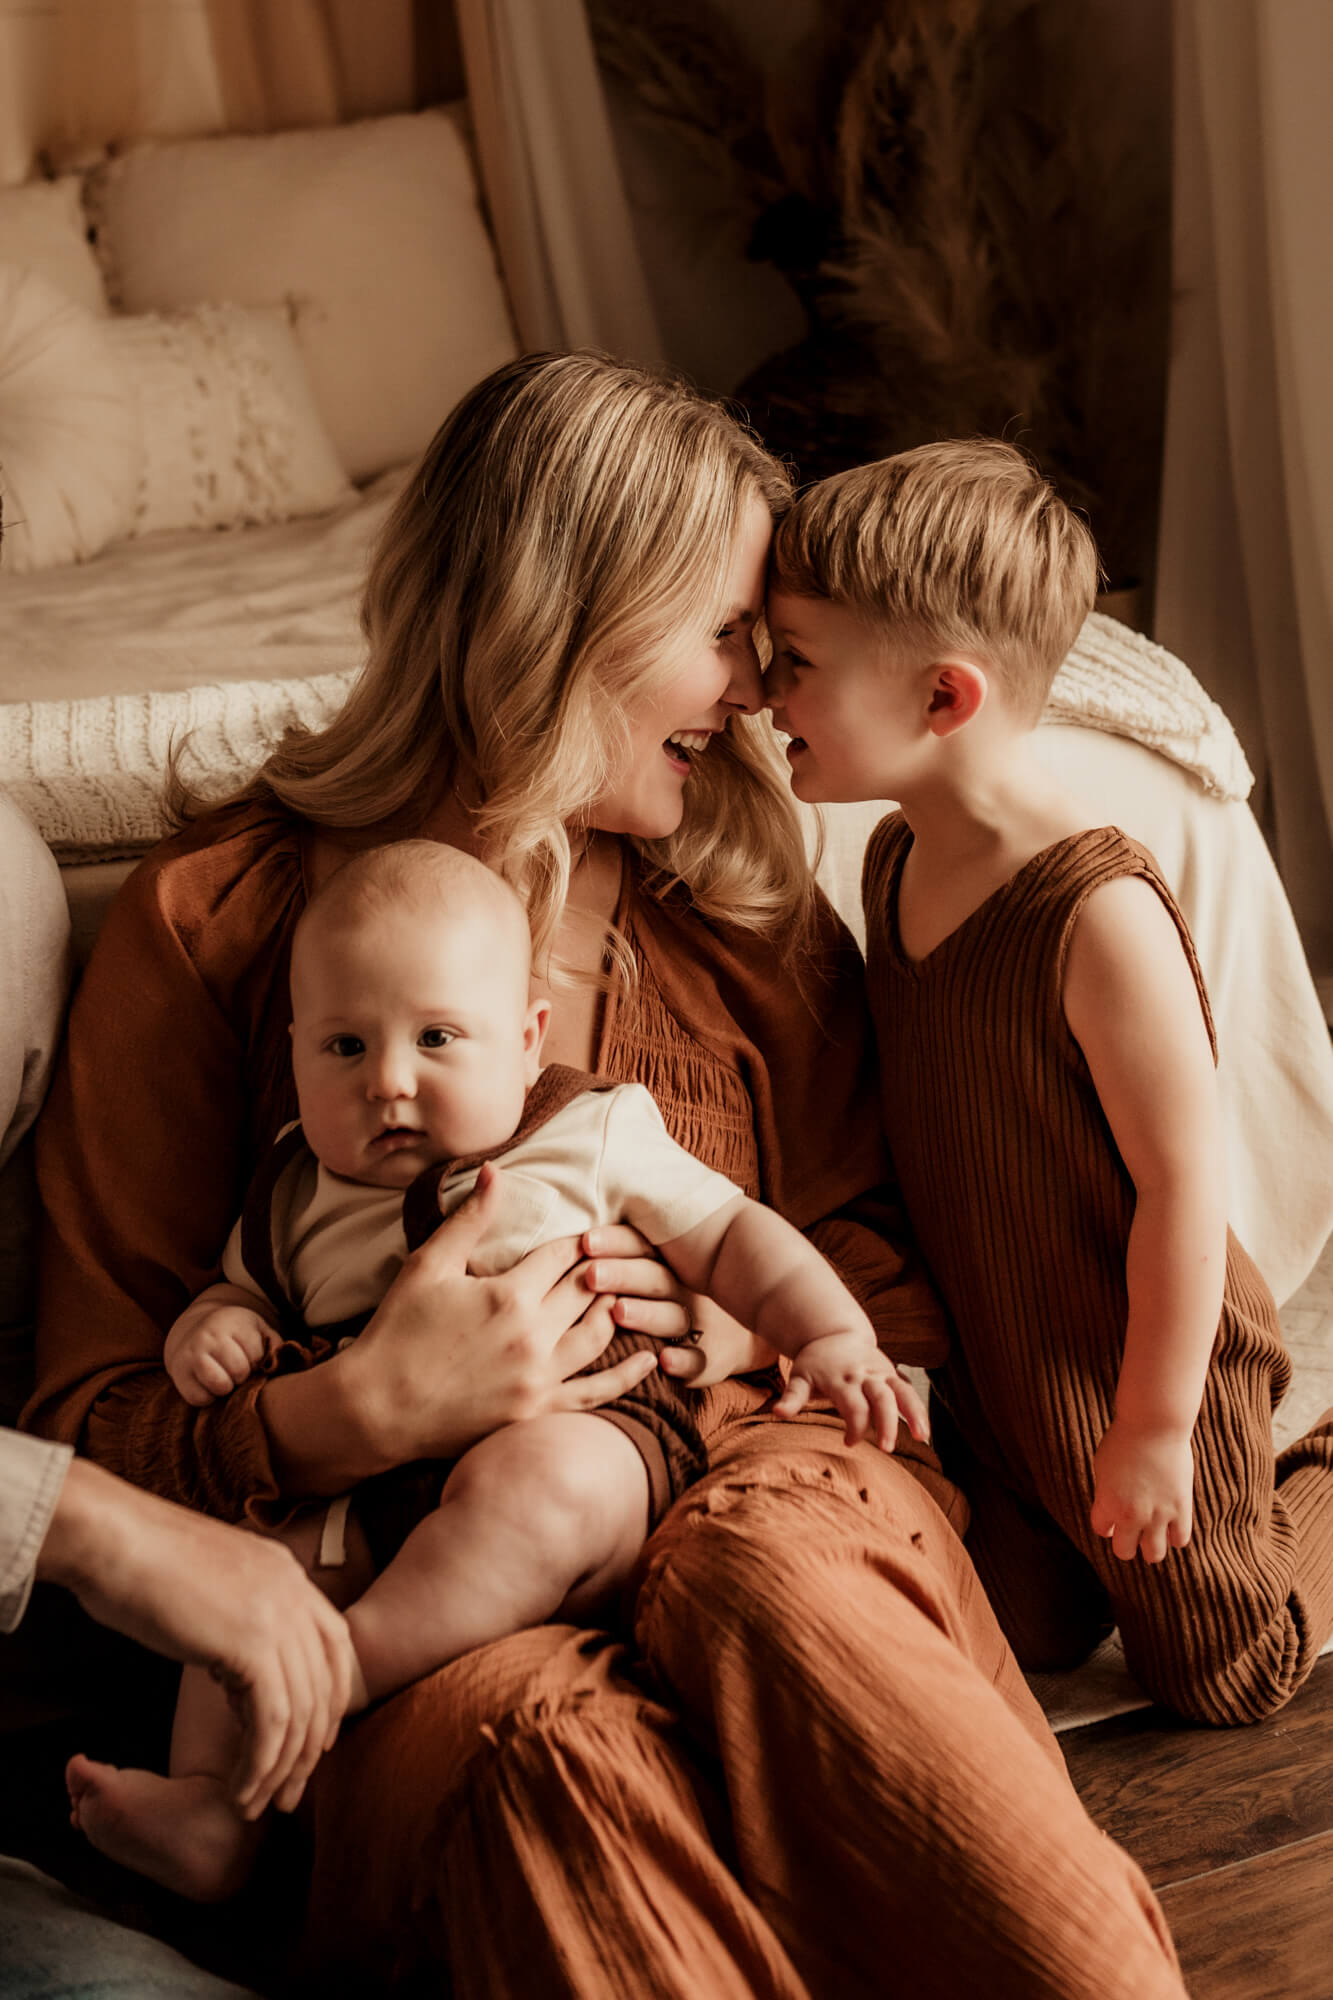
{"x": 959, "y": 551}
{"x": 413, "y": 1036}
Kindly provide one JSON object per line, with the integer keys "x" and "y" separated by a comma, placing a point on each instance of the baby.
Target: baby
{"x": 416, "y": 1051}
{"x": 1049, "y": 1098}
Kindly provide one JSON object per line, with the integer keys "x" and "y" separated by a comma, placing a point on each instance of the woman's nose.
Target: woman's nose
{"x": 745, "y": 689}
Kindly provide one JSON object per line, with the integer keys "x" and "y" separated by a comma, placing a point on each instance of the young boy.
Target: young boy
{"x": 416, "y": 1052}
{"x": 1048, "y": 1093}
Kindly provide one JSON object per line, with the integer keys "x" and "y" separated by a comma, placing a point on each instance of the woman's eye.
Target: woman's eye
{"x": 726, "y": 632}
{"x": 436, "y": 1038}
{"x": 347, "y": 1045}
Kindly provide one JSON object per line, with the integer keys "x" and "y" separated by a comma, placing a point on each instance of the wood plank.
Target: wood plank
{"x": 1261, "y": 1930}
{"x": 1185, "y": 1800}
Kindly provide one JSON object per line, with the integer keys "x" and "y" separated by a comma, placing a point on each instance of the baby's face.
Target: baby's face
{"x": 413, "y": 1041}
{"x": 853, "y": 714}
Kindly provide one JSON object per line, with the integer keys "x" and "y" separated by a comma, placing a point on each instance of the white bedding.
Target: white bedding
{"x": 230, "y": 637}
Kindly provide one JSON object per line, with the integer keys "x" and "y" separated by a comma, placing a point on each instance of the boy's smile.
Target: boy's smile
{"x": 849, "y": 707}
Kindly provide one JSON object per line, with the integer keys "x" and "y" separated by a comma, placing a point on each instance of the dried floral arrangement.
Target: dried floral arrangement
{"x": 971, "y": 215}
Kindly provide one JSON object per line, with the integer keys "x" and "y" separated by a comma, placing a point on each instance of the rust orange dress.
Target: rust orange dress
{"x": 816, "y": 1768}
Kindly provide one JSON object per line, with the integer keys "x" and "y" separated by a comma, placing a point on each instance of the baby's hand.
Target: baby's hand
{"x": 862, "y": 1384}
{"x": 1143, "y": 1501}
{"x": 214, "y": 1347}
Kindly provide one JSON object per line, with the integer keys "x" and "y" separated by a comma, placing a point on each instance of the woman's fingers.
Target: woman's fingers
{"x": 590, "y": 1392}
{"x": 616, "y": 1239}
{"x": 449, "y": 1247}
{"x": 664, "y": 1319}
{"x": 639, "y": 1277}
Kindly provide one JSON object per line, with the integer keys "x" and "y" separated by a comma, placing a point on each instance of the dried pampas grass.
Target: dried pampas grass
{"x": 972, "y": 213}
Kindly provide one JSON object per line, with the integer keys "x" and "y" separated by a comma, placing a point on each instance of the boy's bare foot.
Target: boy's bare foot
{"x": 184, "y": 1833}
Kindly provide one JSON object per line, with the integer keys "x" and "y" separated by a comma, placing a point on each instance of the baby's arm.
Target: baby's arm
{"x": 761, "y": 1270}
{"x": 218, "y": 1342}
{"x": 1132, "y": 1005}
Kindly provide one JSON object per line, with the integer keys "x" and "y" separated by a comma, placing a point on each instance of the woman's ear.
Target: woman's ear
{"x": 958, "y": 691}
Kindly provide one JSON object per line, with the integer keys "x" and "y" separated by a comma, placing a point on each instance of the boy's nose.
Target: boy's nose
{"x": 777, "y": 680}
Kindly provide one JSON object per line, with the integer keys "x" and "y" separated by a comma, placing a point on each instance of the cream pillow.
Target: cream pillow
{"x": 42, "y": 226}
{"x": 68, "y": 429}
{"x": 229, "y": 432}
{"x": 369, "y": 232}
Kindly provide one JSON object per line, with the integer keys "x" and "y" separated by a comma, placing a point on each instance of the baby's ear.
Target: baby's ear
{"x": 958, "y": 692}
{"x": 535, "y": 1025}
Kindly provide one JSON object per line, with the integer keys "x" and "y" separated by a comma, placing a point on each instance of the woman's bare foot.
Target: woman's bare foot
{"x": 182, "y": 1832}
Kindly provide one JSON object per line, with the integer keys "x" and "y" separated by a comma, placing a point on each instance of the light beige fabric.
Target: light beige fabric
{"x": 1245, "y": 577}
{"x": 558, "y": 209}
{"x": 32, "y": 1472}
{"x": 68, "y": 432}
{"x": 370, "y": 233}
{"x": 606, "y": 1157}
{"x": 34, "y": 981}
{"x": 228, "y": 429}
{"x": 42, "y": 228}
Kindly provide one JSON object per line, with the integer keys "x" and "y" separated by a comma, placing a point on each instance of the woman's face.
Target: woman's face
{"x": 671, "y": 728}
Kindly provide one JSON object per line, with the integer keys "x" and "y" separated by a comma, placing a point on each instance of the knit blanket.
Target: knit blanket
{"x": 88, "y": 771}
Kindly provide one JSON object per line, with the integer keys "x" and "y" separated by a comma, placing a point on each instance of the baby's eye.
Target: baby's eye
{"x": 347, "y": 1046}
{"x": 436, "y": 1038}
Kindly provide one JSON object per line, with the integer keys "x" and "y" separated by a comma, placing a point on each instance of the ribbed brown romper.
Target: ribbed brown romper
{"x": 1022, "y": 1206}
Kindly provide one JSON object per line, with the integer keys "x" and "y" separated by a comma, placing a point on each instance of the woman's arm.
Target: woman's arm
{"x": 1133, "y": 1007}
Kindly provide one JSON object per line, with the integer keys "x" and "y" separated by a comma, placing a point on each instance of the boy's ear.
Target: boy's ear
{"x": 958, "y": 692}
{"x": 536, "y": 1022}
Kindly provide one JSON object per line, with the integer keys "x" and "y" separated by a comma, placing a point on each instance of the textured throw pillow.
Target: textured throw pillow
{"x": 68, "y": 430}
{"x": 228, "y": 429}
{"x": 369, "y": 232}
{"x": 42, "y": 227}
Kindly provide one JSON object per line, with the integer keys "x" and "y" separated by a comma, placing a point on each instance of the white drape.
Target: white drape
{"x": 561, "y": 222}
{"x": 1245, "y": 576}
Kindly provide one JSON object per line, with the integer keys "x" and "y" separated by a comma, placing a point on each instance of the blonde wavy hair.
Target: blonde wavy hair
{"x": 963, "y": 544}
{"x": 565, "y": 539}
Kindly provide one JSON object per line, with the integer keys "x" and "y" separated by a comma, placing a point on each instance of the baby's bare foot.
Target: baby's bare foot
{"x": 182, "y": 1832}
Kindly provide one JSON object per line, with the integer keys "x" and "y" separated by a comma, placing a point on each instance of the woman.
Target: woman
{"x": 823, "y": 1760}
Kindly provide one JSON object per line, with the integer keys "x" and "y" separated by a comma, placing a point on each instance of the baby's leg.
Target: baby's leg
{"x": 539, "y": 1518}
{"x": 185, "y": 1831}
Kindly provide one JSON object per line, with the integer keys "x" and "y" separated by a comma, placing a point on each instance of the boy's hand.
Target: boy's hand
{"x": 213, "y": 1348}
{"x": 862, "y": 1384}
{"x": 1143, "y": 1502}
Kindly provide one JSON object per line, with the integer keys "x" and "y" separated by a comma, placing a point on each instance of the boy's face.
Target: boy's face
{"x": 413, "y": 1041}
{"x": 852, "y": 712}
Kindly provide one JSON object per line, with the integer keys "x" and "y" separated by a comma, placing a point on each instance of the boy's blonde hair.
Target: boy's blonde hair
{"x": 962, "y": 545}
{"x": 564, "y": 541}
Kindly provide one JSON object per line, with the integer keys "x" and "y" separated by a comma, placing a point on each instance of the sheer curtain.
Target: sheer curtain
{"x": 1245, "y": 575}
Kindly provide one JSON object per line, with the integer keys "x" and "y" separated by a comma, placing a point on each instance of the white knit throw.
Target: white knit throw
{"x": 89, "y": 773}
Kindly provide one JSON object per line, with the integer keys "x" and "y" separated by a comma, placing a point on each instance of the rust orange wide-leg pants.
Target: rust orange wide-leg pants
{"x": 824, "y": 1776}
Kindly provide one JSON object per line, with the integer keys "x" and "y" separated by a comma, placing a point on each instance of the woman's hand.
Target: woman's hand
{"x": 448, "y": 1358}
{"x": 647, "y": 1297}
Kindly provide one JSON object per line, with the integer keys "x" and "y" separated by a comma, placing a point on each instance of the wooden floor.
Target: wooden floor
{"x": 1234, "y": 1829}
